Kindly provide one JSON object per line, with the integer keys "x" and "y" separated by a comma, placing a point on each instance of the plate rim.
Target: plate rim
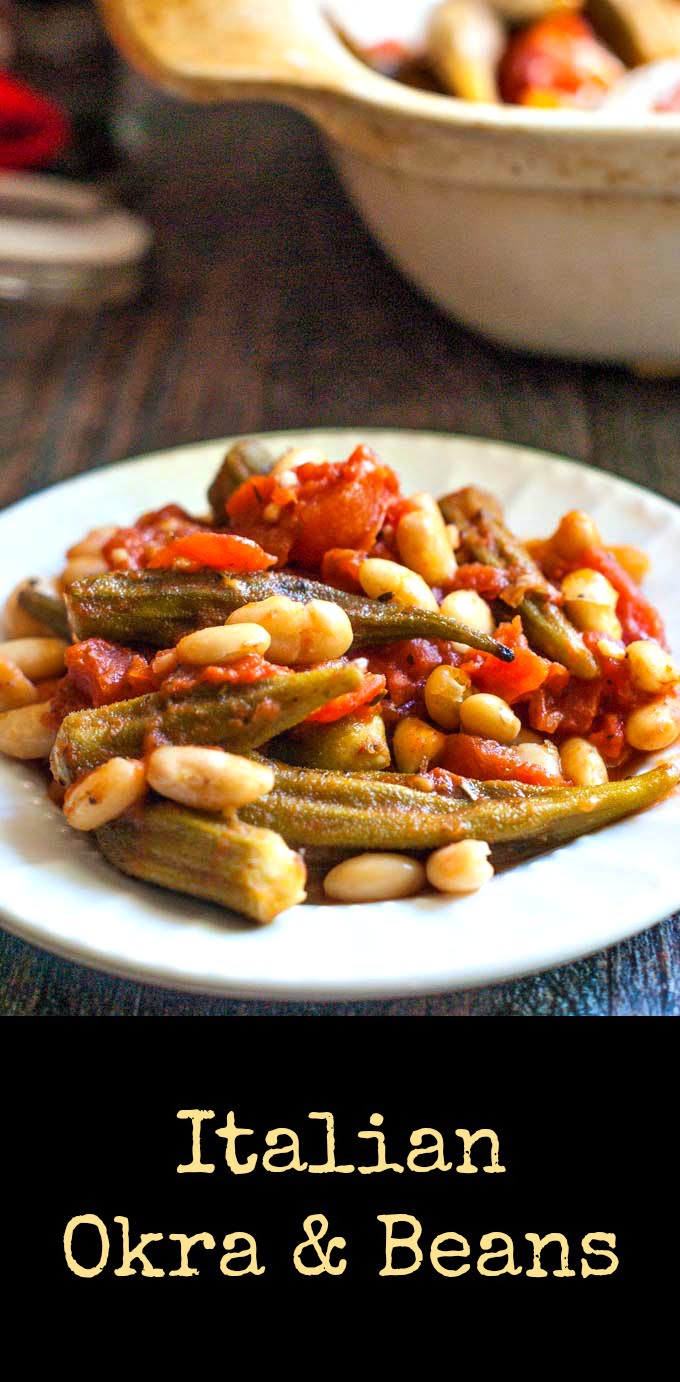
{"x": 283, "y": 990}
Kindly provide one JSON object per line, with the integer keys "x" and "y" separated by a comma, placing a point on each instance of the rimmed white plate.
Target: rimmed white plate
{"x": 59, "y": 893}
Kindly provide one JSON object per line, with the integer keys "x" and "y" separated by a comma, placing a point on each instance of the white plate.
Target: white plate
{"x": 59, "y": 893}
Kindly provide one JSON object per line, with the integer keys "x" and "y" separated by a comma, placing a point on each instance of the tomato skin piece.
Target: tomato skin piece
{"x": 334, "y": 505}
{"x": 372, "y": 687}
{"x": 609, "y": 738}
{"x": 340, "y": 568}
{"x": 99, "y": 673}
{"x": 130, "y": 549}
{"x": 220, "y": 551}
{"x": 559, "y": 56}
{"x": 484, "y": 759}
{"x": 513, "y": 681}
{"x": 489, "y": 581}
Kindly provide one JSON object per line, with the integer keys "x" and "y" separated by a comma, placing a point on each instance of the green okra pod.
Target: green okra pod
{"x": 357, "y": 743}
{"x": 243, "y": 867}
{"x": 386, "y": 817}
{"x": 239, "y": 718}
{"x": 244, "y": 459}
{"x": 159, "y": 607}
{"x": 486, "y": 539}
{"x": 43, "y": 605}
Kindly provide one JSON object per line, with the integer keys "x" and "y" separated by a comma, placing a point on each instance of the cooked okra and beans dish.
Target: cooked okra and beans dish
{"x": 327, "y": 686}
{"x": 604, "y": 54}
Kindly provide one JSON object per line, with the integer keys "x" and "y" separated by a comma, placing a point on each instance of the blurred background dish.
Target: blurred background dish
{"x": 552, "y": 230}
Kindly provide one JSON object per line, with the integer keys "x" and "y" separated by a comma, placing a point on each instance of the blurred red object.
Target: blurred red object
{"x": 33, "y": 130}
{"x": 558, "y": 61}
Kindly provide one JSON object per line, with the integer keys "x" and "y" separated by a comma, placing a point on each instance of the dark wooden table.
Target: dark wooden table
{"x": 270, "y": 307}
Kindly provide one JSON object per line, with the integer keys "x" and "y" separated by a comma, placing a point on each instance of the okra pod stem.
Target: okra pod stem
{"x": 235, "y": 717}
{"x": 243, "y": 867}
{"x": 159, "y": 607}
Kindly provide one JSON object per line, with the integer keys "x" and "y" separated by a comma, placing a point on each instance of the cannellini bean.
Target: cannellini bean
{"x": 652, "y": 669}
{"x": 445, "y": 690}
{"x": 296, "y": 456}
{"x": 468, "y": 608}
{"x": 92, "y": 543}
{"x": 543, "y": 755}
{"x": 15, "y": 687}
{"x": 453, "y": 535}
{"x": 610, "y": 647}
{"x": 208, "y": 779}
{"x": 460, "y": 868}
{"x": 581, "y": 763}
{"x": 18, "y": 623}
{"x": 576, "y": 533}
{"x": 587, "y": 584}
{"x": 380, "y": 577}
{"x": 633, "y": 560}
{"x": 654, "y": 726}
{"x": 416, "y": 745}
{"x": 593, "y": 618}
{"x": 489, "y": 716}
{"x": 105, "y": 793}
{"x": 37, "y": 658}
{"x": 80, "y": 567}
{"x": 26, "y": 732}
{"x": 306, "y": 634}
{"x": 424, "y": 545}
{"x": 375, "y": 878}
{"x": 222, "y": 643}
{"x": 164, "y": 662}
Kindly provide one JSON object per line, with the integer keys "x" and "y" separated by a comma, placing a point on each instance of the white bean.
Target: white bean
{"x": 207, "y": 778}
{"x": 416, "y": 745}
{"x": 105, "y": 793}
{"x": 445, "y": 690}
{"x": 27, "y": 732}
{"x": 468, "y": 607}
{"x": 543, "y": 755}
{"x": 424, "y": 545}
{"x": 577, "y": 533}
{"x": 222, "y": 644}
{"x": 460, "y": 868}
{"x": 15, "y": 688}
{"x": 37, "y": 658}
{"x": 582, "y": 763}
{"x": 379, "y": 577}
{"x": 587, "y": 584}
{"x": 375, "y": 878}
{"x": 79, "y": 567}
{"x": 654, "y": 726}
{"x": 491, "y": 717}
{"x": 92, "y": 543}
{"x": 300, "y": 634}
{"x": 590, "y": 617}
{"x": 652, "y": 669}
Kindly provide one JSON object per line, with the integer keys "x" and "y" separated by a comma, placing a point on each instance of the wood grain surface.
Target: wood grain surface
{"x": 268, "y": 307}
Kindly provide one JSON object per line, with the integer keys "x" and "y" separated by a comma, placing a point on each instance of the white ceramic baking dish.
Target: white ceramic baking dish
{"x": 551, "y": 231}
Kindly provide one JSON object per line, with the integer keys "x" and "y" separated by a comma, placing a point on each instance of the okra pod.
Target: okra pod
{"x": 243, "y": 460}
{"x": 159, "y": 607}
{"x": 235, "y": 717}
{"x": 394, "y": 818}
{"x": 47, "y": 608}
{"x": 354, "y": 744}
{"x": 239, "y": 866}
{"x": 486, "y": 539}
